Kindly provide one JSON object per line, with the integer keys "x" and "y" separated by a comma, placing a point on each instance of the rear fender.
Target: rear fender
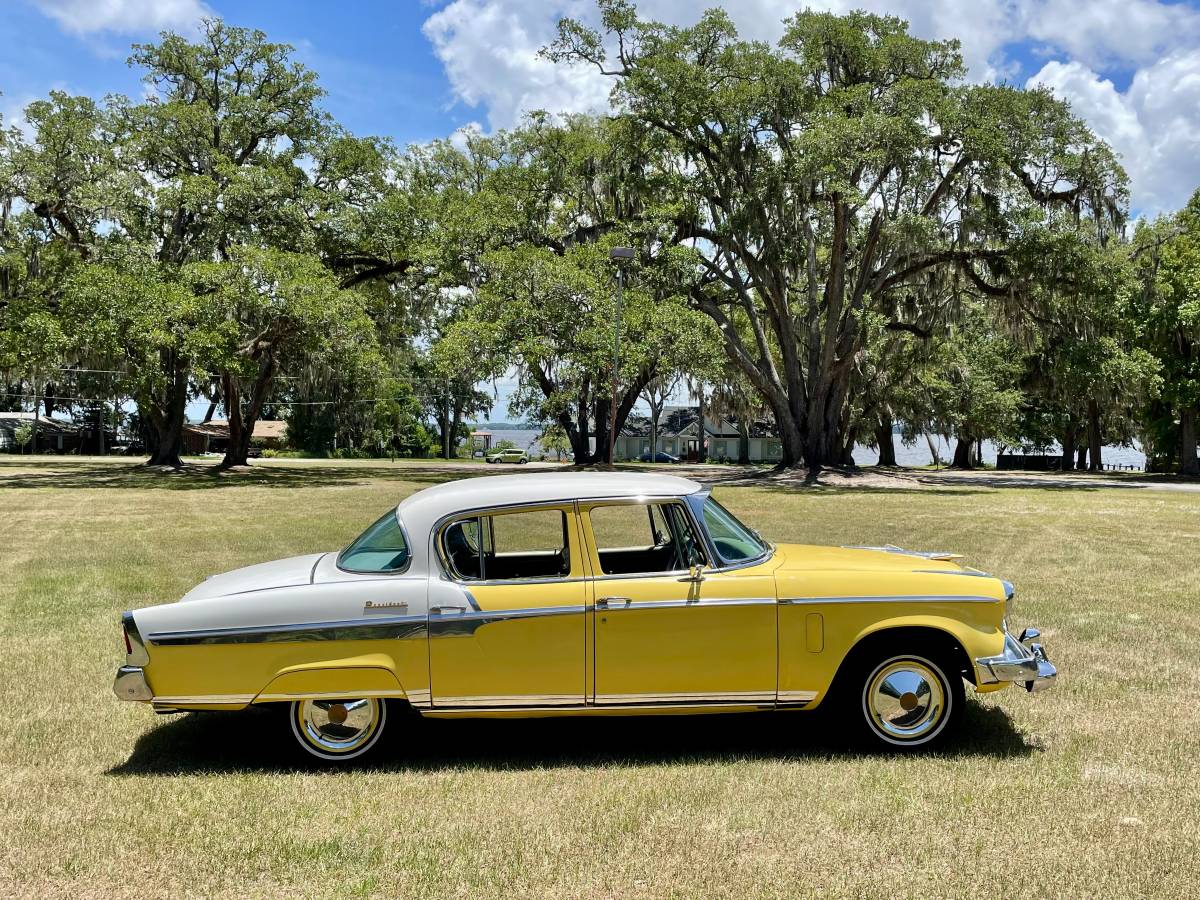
{"x": 361, "y": 676}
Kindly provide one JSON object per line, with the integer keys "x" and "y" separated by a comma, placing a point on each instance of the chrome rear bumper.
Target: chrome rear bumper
{"x": 1024, "y": 659}
{"x": 130, "y": 684}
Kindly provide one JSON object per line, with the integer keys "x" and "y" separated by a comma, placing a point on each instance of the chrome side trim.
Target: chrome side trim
{"x": 130, "y": 684}
{"x": 327, "y": 695}
{"x": 486, "y": 701}
{"x": 702, "y": 603}
{"x": 674, "y": 573}
{"x": 797, "y": 696}
{"x": 436, "y": 712}
{"x": 205, "y": 700}
{"x": 690, "y": 697}
{"x": 393, "y": 628}
{"x": 915, "y": 598}
{"x": 467, "y": 622}
{"x": 965, "y": 570}
{"x": 139, "y": 656}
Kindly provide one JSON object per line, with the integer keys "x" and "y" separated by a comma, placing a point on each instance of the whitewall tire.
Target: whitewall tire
{"x": 338, "y": 730}
{"x": 908, "y": 701}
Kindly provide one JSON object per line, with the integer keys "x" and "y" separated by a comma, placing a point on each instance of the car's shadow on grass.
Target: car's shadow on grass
{"x": 259, "y": 740}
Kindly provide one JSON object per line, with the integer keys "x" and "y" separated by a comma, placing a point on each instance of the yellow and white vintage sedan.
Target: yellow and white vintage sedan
{"x": 576, "y": 594}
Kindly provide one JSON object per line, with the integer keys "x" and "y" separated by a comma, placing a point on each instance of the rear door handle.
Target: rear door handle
{"x": 613, "y": 602}
{"x": 443, "y": 610}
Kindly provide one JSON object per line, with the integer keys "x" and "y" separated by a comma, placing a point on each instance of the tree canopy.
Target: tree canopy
{"x": 836, "y": 232}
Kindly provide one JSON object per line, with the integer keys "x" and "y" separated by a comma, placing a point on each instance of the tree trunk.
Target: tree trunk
{"x": 962, "y": 453}
{"x": 241, "y": 423}
{"x": 744, "y": 446}
{"x": 166, "y": 421}
{"x": 1068, "y": 447}
{"x": 1188, "y": 464}
{"x": 654, "y": 416}
{"x": 214, "y": 399}
{"x": 456, "y": 416}
{"x": 443, "y": 420}
{"x": 934, "y": 459}
{"x": 1095, "y": 460}
{"x": 887, "y": 442}
{"x": 701, "y": 449}
{"x": 1081, "y": 459}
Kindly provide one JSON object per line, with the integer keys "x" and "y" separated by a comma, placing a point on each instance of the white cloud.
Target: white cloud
{"x": 1154, "y": 124}
{"x": 124, "y": 16}
{"x": 489, "y": 51}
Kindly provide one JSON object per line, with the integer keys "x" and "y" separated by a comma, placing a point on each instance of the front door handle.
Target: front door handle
{"x": 442, "y": 610}
{"x": 613, "y": 602}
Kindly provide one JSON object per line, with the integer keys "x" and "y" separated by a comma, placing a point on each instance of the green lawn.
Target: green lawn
{"x": 1087, "y": 790}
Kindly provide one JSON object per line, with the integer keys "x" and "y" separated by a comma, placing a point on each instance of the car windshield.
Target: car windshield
{"x": 734, "y": 541}
{"x": 381, "y": 548}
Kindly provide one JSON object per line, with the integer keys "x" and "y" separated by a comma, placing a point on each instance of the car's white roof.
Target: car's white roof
{"x": 420, "y": 511}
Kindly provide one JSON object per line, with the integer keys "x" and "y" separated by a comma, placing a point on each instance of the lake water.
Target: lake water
{"x": 914, "y": 455}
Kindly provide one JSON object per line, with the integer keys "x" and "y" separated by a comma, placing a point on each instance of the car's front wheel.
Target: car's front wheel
{"x": 337, "y": 730}
{"x": 906, "y": 701}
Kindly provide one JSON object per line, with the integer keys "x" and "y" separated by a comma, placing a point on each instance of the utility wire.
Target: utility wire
{"x": 271, "y": 402}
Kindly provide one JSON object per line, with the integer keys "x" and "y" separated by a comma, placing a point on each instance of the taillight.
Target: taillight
{"x": 128, "y": 646}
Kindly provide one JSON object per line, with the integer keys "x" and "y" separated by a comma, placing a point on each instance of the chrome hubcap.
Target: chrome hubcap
{"x": 905, "y": 700}
{"x": 338, "y": 726}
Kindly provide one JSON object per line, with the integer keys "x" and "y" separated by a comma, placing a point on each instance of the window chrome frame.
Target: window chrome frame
{"x": 437, "y": 538}
{"x": 379, "y": 573}
{"x": 645, "y": 500}
{"x": 695, "y": 503}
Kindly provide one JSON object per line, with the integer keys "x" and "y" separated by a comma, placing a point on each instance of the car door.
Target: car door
{"x": 507, "y": 610}
{"x": 663, "y": 637}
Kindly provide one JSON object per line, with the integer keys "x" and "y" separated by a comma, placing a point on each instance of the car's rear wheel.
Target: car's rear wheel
{"x": 906, "y": 701}
{"x": 337, "y": 730}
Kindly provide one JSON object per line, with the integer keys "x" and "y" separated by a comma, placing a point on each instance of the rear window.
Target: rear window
{"x": 380, "y": 549}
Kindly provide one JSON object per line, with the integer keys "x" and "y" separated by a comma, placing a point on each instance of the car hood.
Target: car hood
{"x": 807, "y": 557}
{"x": 280, "y": 573}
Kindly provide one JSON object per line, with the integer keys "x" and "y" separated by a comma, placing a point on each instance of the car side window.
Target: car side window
{"x": 523, "y": 544}
{"x": 644, "y": 538}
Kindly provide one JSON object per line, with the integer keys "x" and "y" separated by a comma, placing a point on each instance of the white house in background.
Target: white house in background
{"x": 679, "y": 435}
{"x": 53, "y": 435}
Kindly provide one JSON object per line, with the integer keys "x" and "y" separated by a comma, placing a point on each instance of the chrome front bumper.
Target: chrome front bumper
{"x": 1024, "y": 660}
{"x": 131, "y": 685}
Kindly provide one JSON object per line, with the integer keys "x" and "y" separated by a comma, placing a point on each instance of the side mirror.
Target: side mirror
{"x": 697, "y": 573}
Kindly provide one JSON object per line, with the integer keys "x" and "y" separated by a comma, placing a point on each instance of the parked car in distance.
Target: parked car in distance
{"x": 511, "y": 455}
{"x": 579, "y": 594}
{"x": 659, "y": 457}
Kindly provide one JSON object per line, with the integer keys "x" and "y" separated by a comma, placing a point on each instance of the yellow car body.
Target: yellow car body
{"x": 463, "y": 626}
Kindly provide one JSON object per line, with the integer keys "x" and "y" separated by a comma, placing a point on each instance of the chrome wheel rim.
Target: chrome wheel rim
{"x": 905, "y": 700}
{"x": 338, "y": 727}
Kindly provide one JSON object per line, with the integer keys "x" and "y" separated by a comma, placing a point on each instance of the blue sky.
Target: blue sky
{"x": 415, "y": 70}
{"x": 379, "y": 69}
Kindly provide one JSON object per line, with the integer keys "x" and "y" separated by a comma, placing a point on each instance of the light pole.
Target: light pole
{"x": 619, "y": 254}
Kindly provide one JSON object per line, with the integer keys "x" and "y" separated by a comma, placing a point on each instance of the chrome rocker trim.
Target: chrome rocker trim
{"x": 130, "y": 684}
{"x": 1023, "y": 660}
